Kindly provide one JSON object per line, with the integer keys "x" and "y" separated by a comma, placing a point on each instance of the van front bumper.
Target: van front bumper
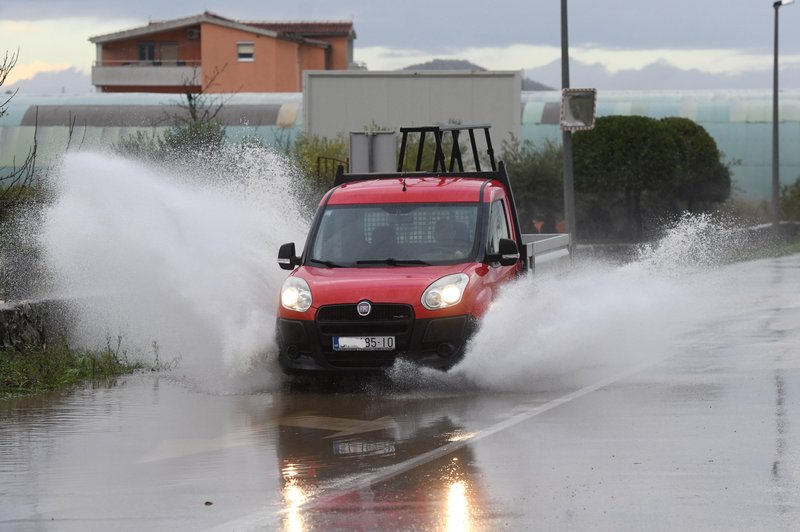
{"x": 308, "y": 346}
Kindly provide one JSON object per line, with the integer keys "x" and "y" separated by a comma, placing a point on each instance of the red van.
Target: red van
{"x": 399, "y": 265}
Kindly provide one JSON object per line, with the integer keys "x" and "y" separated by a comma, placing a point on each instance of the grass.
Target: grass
{"x": 37, "y": 369}
{"x": 790, "y": 248}
{"x": 779, "y": 249}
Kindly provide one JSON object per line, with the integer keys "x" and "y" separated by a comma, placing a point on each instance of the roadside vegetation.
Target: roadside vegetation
{"x": 19, "y": 187}
{"x": 790, "y": 201}
{"x": 36, "y": 369}
{"x": 30, "y": 368}
{"x": 633, "y": 174}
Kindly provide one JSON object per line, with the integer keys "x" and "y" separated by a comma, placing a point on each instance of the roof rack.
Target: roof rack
{"x": 439, "y": 132}
{"x": 440, "y": 168}
{"x": 498, "y": 170}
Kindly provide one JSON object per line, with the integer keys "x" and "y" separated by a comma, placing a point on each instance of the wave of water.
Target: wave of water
{"x": 179, "y": 265}
{"x": 569, "y": 329}
{"x": 185, "y": 266}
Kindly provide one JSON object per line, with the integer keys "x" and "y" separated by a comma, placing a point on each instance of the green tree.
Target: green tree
{"x": 536, "y": 174}
{"x": 178, "y": 144}
{"x": 308, "y": 152}
{"x": 194, "y": 137}
{"x": 642, "y": 170}
{"x": 702, "y": 178}
{"x": 628, "y": 156}
{"x": 196, "y": 129}
{"x": 790, "y": 201}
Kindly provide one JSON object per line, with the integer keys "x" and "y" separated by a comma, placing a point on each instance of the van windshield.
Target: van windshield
{"x": 395, "y": 235}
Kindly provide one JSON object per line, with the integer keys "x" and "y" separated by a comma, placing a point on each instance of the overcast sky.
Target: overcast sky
{"x": 614, "y": 44}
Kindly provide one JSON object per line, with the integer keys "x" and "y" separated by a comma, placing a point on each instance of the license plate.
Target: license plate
{"x": 363, "y": 343}
{"x": 357, "y": 446}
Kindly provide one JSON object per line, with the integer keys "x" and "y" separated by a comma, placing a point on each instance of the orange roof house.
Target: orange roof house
{"x": 216, "y": 54}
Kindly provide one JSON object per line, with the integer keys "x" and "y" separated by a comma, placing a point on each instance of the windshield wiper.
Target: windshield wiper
{"x": 395, "y": 262}
{"x": 327, "y": 263}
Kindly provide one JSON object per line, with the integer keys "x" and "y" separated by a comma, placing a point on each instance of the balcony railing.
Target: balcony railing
{"x": 137, "y": 63}
{"x": 146, "y": 73}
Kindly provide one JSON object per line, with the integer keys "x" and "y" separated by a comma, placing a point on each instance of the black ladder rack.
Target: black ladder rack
{"x": 439, "y": 131}
{"x": 440, "y": 168}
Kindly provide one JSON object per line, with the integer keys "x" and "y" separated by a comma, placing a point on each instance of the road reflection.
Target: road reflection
{"x": 783, "y": 485}
{"x": 459, "y": 507}
{"x": 341, "y": 459}
{"x": 294, "y": 496}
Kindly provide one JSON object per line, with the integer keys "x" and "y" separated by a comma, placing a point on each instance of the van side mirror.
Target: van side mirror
{"x": 507, "y": 255}
{"x": 287, "y": 257}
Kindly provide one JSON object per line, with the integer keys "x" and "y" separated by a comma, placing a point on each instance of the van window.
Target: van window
{"x": 359, "y": 235}
{"x": 498, "y": 227}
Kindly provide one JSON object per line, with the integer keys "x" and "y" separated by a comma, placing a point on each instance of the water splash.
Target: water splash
{"x": 568, "y": 330}
{"x": 695, "y": 242}
{"x": 184, "y": 264}
{"x": 187, "y": 261}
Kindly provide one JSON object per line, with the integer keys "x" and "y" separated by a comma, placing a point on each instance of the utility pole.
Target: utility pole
{"x": 569, "y": 183}
{"x": 776, "y": 179}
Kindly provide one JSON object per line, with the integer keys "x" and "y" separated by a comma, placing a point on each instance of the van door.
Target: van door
{"x": 499, "y": 227}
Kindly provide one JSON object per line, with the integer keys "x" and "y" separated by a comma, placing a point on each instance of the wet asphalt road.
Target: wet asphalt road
{"x": 704, "y": 439}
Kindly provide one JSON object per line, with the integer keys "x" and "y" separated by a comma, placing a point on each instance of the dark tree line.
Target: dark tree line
{"x": 632, "y": 173}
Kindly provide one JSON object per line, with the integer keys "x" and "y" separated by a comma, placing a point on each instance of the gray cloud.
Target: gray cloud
{"x": 659, "y": 76}
{"x": 68, "y": 81}
{"x": 654, "y": 77}
{"x": 444, "y": 28}
{"x": 439, "y": 26}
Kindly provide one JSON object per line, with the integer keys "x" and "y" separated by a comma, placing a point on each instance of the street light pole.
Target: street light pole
{"x": 776, "y": 181}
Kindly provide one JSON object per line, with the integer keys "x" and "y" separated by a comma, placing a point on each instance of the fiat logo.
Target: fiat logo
{"x": 364, "y": 308}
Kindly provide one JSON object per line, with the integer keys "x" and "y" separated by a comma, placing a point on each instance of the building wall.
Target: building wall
{"x": 310, "y": 58}
{"x": 277, "y": 64}
{"x": 339, "y": 59}
{"x": 286, "y": 69}
{"x": 337, "y": 102}
{"x": 220, "y": 62}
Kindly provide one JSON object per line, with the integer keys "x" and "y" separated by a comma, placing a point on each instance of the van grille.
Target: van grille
{"x": 380, "y": 312}
{"x": 384, "y": 320}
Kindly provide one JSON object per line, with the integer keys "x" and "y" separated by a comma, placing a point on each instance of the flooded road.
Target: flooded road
{"x": 703, "y": 436}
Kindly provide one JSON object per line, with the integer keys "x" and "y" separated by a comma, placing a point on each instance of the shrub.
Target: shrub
{"x": 790, "y": 201}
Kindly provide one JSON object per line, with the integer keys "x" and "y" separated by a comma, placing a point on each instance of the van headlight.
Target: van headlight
{"x": 295, "y": 294}
{"x": 445, "y": 292}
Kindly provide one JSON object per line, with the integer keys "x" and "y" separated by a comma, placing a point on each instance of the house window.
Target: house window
{"x": 147, "y": 51}
{"x": 168, "y": 53}
{"x": 245, "y": 51}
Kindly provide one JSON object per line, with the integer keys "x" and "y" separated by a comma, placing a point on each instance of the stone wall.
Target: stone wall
{"x": 32, "y": 322}
{"x": 21, "y": 323}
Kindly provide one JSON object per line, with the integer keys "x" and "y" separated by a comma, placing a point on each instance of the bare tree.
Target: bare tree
{"x": 195, "y": 125}
{"x": 16, "y": 181}
{"x": 198, "y": 106}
